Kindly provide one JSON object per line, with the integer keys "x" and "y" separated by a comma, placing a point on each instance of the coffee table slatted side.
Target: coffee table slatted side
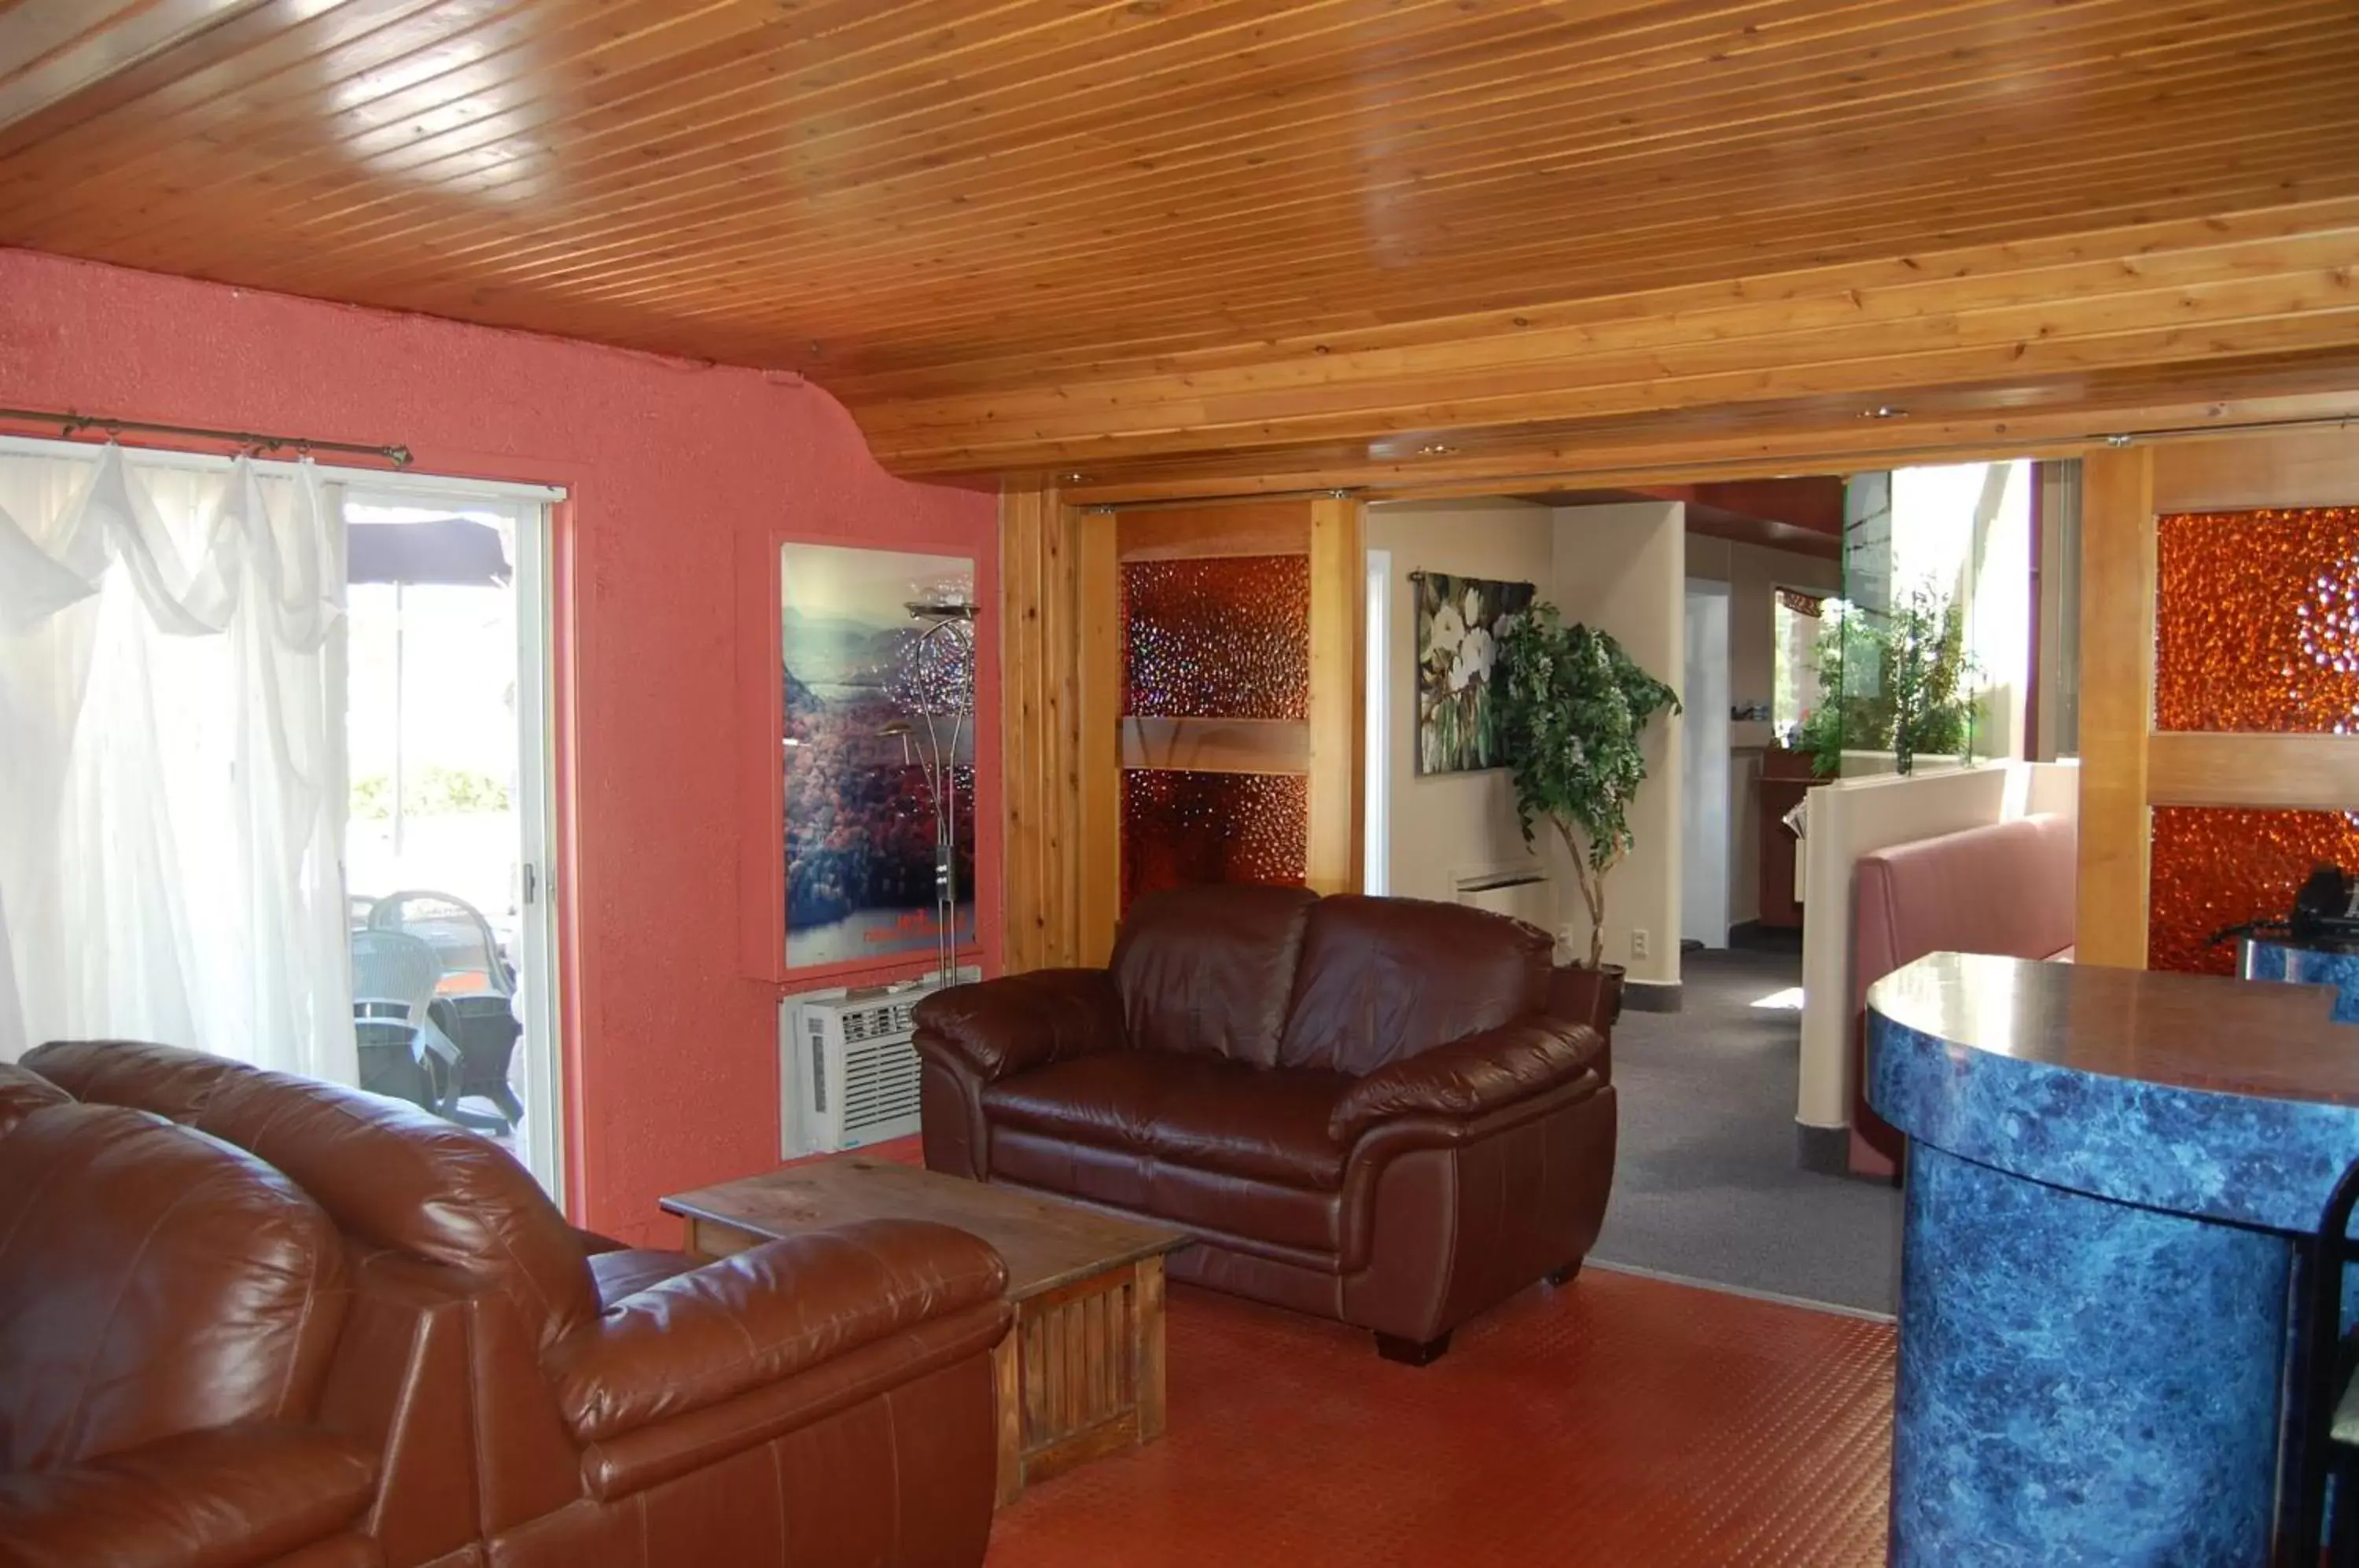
{"x": 1081, "y": 1373}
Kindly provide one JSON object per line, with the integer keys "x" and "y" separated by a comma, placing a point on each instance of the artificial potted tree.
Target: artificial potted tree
{"x": 1573, "y": 708}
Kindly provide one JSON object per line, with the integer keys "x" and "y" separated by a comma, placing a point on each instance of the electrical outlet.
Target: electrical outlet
{"x": 1638, "y": 942}
{"x": 1566, "y": 934}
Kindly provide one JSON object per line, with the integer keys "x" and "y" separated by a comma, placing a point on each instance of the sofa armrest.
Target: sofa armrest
{"x": 763, "y": 1316}
{"x": 224, "y": 1498}
{"x": 1018, "y": 1022}
{"x": 1468, "y": 1077}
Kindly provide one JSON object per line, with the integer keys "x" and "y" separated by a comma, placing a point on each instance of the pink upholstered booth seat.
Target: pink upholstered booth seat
{"x": 2007, "y": 889}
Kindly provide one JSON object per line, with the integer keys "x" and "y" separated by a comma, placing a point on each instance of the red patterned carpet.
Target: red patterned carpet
{"x": 1619, "y": 1421}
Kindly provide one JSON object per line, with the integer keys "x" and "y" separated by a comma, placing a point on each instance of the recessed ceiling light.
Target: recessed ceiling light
{"x": 1884, "y": 411}
{"x": 1074, "y": 478}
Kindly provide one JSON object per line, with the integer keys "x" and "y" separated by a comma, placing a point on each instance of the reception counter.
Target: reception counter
{"x": 2106, "y": 1170}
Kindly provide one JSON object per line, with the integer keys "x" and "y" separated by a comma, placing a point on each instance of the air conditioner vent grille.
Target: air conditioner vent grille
{"x": 853, "y": 1074}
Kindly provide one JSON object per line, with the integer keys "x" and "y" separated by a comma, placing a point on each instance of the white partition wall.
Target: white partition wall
{"x": 1623, "y": 569}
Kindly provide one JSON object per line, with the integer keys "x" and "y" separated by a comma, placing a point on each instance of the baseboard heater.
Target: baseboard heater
{"x": 1522, "y": 891}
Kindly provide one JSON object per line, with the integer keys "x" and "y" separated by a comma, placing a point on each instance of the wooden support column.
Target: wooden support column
{"x": 2117, "y": 702}
{"x": 1098, "y": 809}
{"x": 1039, "y": 664}
{"x": 1332, "y": 862}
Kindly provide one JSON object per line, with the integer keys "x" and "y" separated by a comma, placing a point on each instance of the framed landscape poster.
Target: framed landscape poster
{"x": 1459, "y": 622}
{"x": 869, "y": 706}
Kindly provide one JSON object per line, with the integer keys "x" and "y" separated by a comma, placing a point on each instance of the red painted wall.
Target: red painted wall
{"x": 671, "y": 1051}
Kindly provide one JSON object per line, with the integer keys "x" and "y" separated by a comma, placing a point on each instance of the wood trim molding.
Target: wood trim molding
{"x": 2305, "y": 468}
{"x": 2292, "y": 772}
{"x": 2117, "y": 578}
{"x": 1217, "y": 745}
{"x": 1195, "y": 533}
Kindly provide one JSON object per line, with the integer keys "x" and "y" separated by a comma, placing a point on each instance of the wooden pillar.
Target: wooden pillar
{"x": 1098, "y": 795}
{"x": 2117, "y": 702}
{"x": 1333, "y": 857}
{"x": 1040, "y": 663}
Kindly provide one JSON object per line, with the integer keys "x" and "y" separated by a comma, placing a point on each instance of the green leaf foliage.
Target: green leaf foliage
{"x": 1572, "y": 711}
{"x": 1898, "y": 681}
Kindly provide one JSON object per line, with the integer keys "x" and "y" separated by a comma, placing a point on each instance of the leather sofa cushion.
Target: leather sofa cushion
{"x": 385, "y": 1171}
{"x": 172, "y": 1082}
{"x": 1018, "y": 1022}
{"x": 1268, "y": 1124}
{"x": 1212, "y": 1203}
{"x": 1208, "y": 971}
{"x": 763, "y": 1316}
{"x": 250, "y": 1493}
{"x": 153, "y": 1282}
{"x": 1385, "y": 978}
{"x": 22, "y": 1092}
{"x": 628, "y": 1270}
{"x": 1468, "y": 1077}
{"x": 402, "y": 1177}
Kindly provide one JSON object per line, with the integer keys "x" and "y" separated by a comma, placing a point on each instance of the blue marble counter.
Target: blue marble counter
{"x": 2307, "y": 966}
{"x": 2105, "y": 1170}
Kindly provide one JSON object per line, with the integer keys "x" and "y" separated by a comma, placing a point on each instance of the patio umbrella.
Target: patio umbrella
{"x": 453, "y": 552}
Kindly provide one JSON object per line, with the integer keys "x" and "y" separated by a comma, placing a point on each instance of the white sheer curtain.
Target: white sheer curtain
{"x": 172, "y": 792}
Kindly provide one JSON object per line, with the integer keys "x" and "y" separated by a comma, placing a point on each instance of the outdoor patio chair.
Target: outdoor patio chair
{"x": 393, "y": 983}
{"x": 473, "y": 1003}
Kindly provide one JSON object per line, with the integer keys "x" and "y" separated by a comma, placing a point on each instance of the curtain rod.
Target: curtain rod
{"x": 69, "y": 423}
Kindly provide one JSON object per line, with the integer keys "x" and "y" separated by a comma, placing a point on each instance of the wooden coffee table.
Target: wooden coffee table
{"x": 1081, "y": 1372}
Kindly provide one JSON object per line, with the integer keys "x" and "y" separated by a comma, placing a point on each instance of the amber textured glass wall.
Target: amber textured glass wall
{"x": 2257, "y": 629}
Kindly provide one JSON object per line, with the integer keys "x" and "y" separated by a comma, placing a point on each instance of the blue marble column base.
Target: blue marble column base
{"x": 2081, "y": 1382}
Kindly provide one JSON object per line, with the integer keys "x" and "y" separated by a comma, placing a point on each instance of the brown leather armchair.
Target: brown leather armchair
{"x": 539, "y": 1398}
{"x": 1360, "y": 1107}
{"x": 170, "y": 1313}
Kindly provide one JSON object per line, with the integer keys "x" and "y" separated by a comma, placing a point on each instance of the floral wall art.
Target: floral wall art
{"x": 1459, "y": 622}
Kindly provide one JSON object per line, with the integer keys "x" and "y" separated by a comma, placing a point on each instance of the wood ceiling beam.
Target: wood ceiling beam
{"x": 1675, "y": 450}
{"x": 1979, "y": 317}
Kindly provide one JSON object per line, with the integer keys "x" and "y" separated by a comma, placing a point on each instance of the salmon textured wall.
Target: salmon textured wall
{"x": 670, "y": 465}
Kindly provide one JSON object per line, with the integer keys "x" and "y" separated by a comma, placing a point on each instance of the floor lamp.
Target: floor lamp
{"x": 936, "y": 682}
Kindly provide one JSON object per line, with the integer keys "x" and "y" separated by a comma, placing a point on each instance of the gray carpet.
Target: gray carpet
{"x": 1706, "y": 1187}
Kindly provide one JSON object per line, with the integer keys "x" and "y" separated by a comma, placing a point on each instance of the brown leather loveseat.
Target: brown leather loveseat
{"x": 1360, "y": 1107}
{"x": 535, "y": 1398}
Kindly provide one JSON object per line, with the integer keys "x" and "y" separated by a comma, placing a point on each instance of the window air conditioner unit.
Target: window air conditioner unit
{"x": 848, "y": 1070}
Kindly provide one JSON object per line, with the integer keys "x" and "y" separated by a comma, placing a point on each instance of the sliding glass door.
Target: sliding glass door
{"x": 446, "y": 855}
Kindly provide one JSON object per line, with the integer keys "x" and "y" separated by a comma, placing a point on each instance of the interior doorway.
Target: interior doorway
{"x": 1704, "y": 813}
{"x": 446, "y": 850}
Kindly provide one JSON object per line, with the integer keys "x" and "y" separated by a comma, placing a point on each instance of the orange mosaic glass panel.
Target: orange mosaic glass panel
{"x": 2215, "y": 866}
{"x": 1221, "y": 638}
{"x": 1185, "y": 829}
{"x": 2256, "y": 621}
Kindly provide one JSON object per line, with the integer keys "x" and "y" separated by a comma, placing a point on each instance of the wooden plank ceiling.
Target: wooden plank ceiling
{"x": 1196, "y": 246}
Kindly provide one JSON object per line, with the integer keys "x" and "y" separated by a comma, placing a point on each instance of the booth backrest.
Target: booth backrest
{"x": 1385, "y": 978}
{"x": 153, "y": 1282}
{"x": 1208, "y": 971}
{"x": 2005, "y": 889}
{"x": 388, "y": 1172}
